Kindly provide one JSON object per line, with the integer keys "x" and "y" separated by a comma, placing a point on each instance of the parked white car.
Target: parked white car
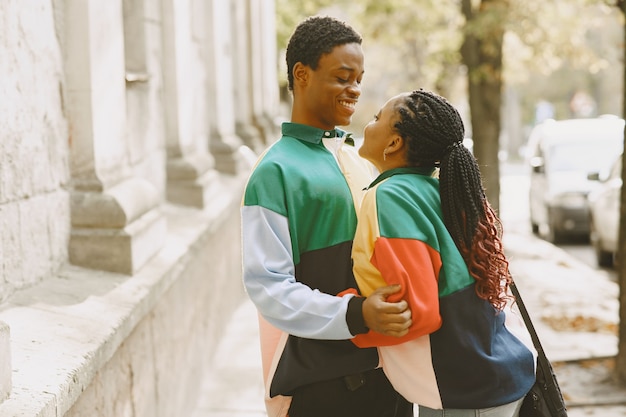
{"x": 562, "y": 155}
{"x": 604, "y": 213}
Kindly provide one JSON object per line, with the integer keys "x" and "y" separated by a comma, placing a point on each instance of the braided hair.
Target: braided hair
{"x": 433, "y": 131}
{"x": 314, "y": 37}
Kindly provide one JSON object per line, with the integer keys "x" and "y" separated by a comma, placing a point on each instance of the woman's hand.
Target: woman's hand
{"x": 391, "y": 319}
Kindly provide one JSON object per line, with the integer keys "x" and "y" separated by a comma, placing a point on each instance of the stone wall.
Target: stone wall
{"x": 181, "y": 331}
{"x": 34, "y": 155}
{"x": 126, "y": 137}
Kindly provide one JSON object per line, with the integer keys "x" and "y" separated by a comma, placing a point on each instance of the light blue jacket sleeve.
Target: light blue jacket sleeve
{"x": 269, "y": 279}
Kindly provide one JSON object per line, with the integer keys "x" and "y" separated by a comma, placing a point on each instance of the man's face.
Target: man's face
{"x": 334, "y": 88}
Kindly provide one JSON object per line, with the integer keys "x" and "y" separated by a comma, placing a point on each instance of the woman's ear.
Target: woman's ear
{"x": 300, "y": 73}
{"x": 395, "y": 144}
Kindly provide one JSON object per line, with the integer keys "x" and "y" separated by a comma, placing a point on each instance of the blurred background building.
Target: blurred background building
{"x": 127, "y": 129}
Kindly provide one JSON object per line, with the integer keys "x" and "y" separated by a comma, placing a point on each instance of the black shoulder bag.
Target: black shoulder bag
{"x": 545, "y": 398}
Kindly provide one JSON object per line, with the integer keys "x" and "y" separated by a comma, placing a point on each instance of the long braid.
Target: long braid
{"x": 433, "y": 131}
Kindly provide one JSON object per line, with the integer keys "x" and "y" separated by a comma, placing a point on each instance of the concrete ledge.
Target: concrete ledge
{"x": 96, "y": 343}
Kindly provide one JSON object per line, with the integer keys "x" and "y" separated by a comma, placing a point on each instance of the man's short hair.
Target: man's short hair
{"x": 314, "y": 37}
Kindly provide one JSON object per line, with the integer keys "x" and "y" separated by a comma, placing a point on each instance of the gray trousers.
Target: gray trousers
{"x": 506, "y": 410}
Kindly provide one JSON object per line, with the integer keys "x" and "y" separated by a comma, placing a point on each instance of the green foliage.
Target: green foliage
{"x": 550, "y": 48}
{"x": 421, "y": 39}
{"x": 426, "y": 34}
{"x": 553, "y": 34}
{"x": 291, "y": 12}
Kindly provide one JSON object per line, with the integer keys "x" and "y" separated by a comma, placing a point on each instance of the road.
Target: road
{"x": 514, "y": 213}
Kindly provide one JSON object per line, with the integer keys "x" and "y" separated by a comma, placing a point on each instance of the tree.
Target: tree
{"x": 620, "y": 365}
{"x": 482, "y": 54}
{"x": 422, "y": 42}
{"x": 503, "y": 42}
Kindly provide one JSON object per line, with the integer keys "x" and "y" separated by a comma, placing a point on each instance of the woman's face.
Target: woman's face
{"x": 379, "y": 133}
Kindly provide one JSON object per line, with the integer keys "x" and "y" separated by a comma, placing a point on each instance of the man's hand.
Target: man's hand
{"x": 392, "y": 319}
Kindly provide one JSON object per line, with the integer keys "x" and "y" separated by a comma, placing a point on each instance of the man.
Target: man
{"x": 298, "y": 221}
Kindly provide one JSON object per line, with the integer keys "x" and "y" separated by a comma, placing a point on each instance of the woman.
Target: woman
{"x": 466, "y": 351}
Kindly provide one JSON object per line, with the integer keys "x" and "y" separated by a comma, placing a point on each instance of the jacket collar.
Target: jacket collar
{"x": 309, "y": 133}
{"x": 428, "y": 171}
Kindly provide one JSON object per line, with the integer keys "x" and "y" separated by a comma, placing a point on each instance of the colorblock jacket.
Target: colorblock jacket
{"x": 460, "y": 351}
{"x": 298, "y": 223}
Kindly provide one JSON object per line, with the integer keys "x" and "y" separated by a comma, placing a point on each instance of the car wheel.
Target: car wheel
{"x": 603, "y": 258}
{"x": 534, "y": 227}
{"x": 549, "y": 232}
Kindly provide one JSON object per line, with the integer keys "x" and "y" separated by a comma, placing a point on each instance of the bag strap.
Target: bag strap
{"x": 526, "y": 317}
{"x": 545, "y": 374}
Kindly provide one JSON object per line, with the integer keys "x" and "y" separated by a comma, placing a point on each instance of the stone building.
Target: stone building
{"x": 127, "y": 131}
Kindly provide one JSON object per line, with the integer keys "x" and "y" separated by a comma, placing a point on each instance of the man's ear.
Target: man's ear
{"x": 301, "y": 73}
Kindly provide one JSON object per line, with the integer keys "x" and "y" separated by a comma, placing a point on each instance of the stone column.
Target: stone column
{"x": 243, "y": 67}
{"x": 143, "y": 53}
{"x": 5, "y": 361}
{"x": 116, "y": 222}
{"x": 224, "y": 143}
{"x": 191, "y": 177}
{"x": 265, "y": 97}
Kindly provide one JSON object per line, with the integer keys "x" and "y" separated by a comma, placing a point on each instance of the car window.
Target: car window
{"x": 581, "y": 156}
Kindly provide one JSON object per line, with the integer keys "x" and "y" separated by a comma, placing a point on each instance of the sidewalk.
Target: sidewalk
{"x": 575, "y": 312}
{"x": 235, "y": 388}
{"x": 574, "y": 309}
